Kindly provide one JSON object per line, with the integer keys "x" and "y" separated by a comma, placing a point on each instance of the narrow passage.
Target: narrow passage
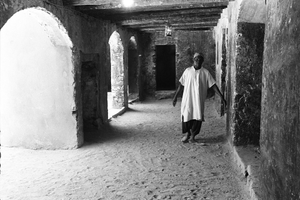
{"x": 138, "y": 156}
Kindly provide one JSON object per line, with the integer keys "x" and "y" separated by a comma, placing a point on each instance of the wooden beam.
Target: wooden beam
{"x": 176, "y": 26}
{"x": 178, "y": 29}
{"x": 118, "y": 3}
{"x": 149, "y": 9}
{"x": 171, "y": 21}
{"x": 156, "y": 15}
{"x": 165, "y": 11}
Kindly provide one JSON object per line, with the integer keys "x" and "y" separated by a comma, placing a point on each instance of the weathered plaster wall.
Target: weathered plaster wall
{"x": 280, "y": 138}
{"x": 145, "y": 81}
{"x": 228, "y": 21}
{"x": 133, "y": 67}
{"x": 221, "y": 59}
{"x": 89, "y": 89}
{"x": 187, "y": 43}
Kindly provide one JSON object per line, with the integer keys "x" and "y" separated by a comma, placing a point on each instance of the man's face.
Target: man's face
{"x": 197, "y": 62}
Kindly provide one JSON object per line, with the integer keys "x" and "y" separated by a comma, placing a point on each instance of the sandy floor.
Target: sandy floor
{"x": 138, "y": 156}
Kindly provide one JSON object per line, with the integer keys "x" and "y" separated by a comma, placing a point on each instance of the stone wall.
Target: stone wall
{"x": 280, "y": 138}
{"x": 221, "y": 60}
{"x": 143, "y": 49}
{"x": 187, "y": 43}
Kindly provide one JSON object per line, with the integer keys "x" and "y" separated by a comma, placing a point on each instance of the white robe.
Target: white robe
{"x": 196, "y": 83}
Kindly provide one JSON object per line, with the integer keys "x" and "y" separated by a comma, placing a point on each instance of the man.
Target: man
{"x": 194, "y": 82}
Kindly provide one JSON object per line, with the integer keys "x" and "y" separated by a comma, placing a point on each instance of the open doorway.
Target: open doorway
{"x": 165, "y": 67}
{"x": 38, "y": 107}
{"x": 116, "y": 95}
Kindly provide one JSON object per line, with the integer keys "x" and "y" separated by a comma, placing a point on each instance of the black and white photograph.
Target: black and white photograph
{"x": 149, "y": 100}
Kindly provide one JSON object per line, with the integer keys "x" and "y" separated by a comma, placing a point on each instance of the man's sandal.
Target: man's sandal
{"x": 185, "y": 139}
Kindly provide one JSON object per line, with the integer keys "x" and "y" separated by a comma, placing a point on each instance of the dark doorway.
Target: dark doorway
{"x": 165, "y": 67}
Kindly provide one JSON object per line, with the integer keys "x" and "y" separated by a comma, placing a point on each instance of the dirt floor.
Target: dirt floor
{"x": 138, "y": 156}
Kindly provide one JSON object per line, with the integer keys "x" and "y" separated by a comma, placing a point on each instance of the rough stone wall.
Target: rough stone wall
{"x": 144, "y": 47}
{"x": 187, "y": 43}
{"x": 132, "y": 68}
{"x": 147, "y": 73}
{"x": 280, "y": 138}
{"x": 247, "y": 101}
{"x": 89, "y": 88}
{"x": 229, "y": 20}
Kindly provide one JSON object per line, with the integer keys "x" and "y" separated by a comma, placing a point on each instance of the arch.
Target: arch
{"x": 37, "y": 82}
{"x": 117, "y": 95}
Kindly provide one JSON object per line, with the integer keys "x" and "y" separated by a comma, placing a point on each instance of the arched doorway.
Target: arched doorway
{"x": 38, "y": 108}
{"x": 116, "y": 92}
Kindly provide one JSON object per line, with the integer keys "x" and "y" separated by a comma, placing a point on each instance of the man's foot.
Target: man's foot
{"x": 185, "y": 139}
{"x": 192, "y": 140}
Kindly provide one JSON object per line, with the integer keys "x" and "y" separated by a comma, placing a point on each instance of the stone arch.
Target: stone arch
{"x": 117, "y": 72}
{"x": 37, "y": 83}
{"x": 133, "y": 69}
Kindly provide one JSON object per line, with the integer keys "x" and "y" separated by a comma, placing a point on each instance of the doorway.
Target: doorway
{"x": 116, "y": 93}
{"x": 165, "y": 67}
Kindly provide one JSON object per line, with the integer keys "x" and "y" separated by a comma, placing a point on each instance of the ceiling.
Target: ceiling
{"x": 153, "y": 15}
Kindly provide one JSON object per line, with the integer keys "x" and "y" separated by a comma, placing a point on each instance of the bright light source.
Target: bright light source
{"x": 127, "y": 3}
{"x": 168, "y": 30}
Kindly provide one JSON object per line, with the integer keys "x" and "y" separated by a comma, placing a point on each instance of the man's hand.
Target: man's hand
{"x": 174, "y": 102}
{"x": 225, "y": 103}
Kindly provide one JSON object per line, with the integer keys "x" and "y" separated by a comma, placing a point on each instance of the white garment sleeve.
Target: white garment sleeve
{"x": 210, "y": 80}
{"x": 183, "y": 78}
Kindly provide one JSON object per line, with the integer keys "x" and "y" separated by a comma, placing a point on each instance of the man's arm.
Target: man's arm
{"x": 178, "y": 91}
{"x": 216, "y": 89}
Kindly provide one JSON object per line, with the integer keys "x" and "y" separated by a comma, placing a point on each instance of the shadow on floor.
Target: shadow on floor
{"x": 105, "y": 134}
{"x": 212, "y": 140}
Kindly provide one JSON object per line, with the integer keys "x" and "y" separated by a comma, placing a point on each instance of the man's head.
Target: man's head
{"x": 198, "y": 59}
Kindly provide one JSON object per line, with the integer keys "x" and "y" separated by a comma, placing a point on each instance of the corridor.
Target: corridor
{"x": 138, "y": 155}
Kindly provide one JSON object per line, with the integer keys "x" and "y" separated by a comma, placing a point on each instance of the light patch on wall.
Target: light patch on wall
{"x": 36, "y": 82}
{"x": 127, "y": 3}
{"x": 117, "y": 72}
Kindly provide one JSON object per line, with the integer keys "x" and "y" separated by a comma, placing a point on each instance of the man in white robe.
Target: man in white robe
{"x": 194, "y": 82}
